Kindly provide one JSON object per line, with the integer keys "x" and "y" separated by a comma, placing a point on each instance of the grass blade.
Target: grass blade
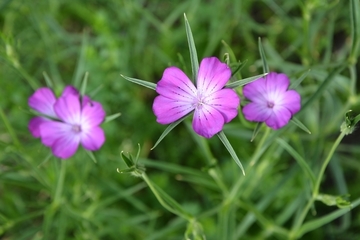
{"x": 193, "y": 54}
{"x": 140, "y": 82}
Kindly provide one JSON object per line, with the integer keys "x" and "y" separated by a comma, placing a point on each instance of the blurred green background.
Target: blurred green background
{"x": 64, "y": 39}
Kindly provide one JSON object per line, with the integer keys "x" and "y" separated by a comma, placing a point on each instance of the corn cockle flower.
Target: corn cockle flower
{"x": 271, "y": 101}
{"x": 213, "y": 105}
{"x": 69, "y": 121}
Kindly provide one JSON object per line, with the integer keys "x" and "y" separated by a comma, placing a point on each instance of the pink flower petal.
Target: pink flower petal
{"x": 168, "y": 110}
{"x": 61, "y": 137}
{"x": 291, "y": 100}
{"x": 256, "y": 112}
{"x": 93, "y": 139}
{"x": 92, "y": 113}
{"x": 70, "y": 90}
{"x": 255, "y": 91}
{"x": 68, "y": 109}
{"x": 276, "y": 83}
{"x": 174, "y": 84}
{"x": 212, "y": 76}
{"x": 64, "y": 147}
{"x": 279, "y": 118}
{"x": 43, "y": 101}
{"x": 34, "y": 125}
{"x": 226, "y": 101}
{"x": 207, "y": 121}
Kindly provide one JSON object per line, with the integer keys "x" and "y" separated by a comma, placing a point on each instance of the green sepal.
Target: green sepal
{"x": 300, "y": 124}
{"x": 140, "y": 82}
{"x": 127, "y": 170}
{"x": 48, "y": 80}
{"x": 236, "y": 67}
{"x": 167, "y": 130}
{"x": 112, "y": 117}
{"x": 84, "y": 84}
{"x": 128, "y": 160}
{"x": 193, "y": 54}
{"x": 348, "y": 126}
{"x": 245, "y": 81}
{"x": 263, "y": 57}
{"x": 330, "y": 200}
{"x": 91, "y": 155}
{"x": 256, "y": 130}
{"x": 230, "y": 149}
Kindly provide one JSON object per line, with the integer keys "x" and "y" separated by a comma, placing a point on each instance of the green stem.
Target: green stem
{"x": 179, "y": 212}
{"x": 315, "y": 191}
{"x": 326, "y": 162}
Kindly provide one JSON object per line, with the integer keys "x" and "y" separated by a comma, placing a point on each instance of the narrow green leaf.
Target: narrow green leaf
{"x": 230, "y": 149}
{"x": 245, "y": 81}
{"x": 319, "y": 222}
{"x": 256, "y": 131}
{"x": 167, "y": 130}
{"x": 300, "y": 160}
{"x": 322, "y": 87}
{"x": 192, "y": 48}
{"x": 300, "y": 124}
{"x": 140, "y": 82}
{"x": 299, "y": 80}
{"x": 263, "y": 57}
{"x": 84, "y": 84}
{"x": 112, "y": 117}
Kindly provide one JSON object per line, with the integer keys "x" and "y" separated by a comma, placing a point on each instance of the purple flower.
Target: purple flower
{"x": 69, "y": 121}
{"x": 213, "y": 105}
{"x": 271, "y": 101}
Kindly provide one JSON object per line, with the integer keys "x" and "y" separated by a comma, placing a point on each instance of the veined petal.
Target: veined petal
{"x": 168, "y": 110}
{"x": 207, "y": 121}
{"x": 291, "y": 100}
{"x": 279, "y": 118}
{"x": 226, "y": 101}
{"x": 43, "y": 101}
{"x": 92, "y": 113}
{"x": 93, "y": 139}
{"x": 174, "y": 84}
{"x": 34, "y": 125}
{"x": 68, "y": 109}
{"x": 256, "y": 112}
{"x": 212, "y": 76}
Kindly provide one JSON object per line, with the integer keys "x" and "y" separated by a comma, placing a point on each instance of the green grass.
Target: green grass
{"x": 191, "y": 187}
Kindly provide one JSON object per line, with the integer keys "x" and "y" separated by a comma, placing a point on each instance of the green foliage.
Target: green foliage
{"x": 297, "y": 185}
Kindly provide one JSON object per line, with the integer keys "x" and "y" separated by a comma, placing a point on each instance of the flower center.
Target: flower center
{"x": 76, "y": 128}
{"x": 270, "y": 104}
{"x": 199, "y": 101}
